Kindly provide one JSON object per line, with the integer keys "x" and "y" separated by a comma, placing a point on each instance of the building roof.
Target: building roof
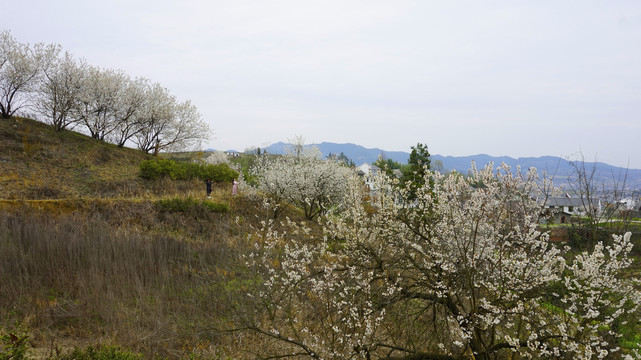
{"x": 572, "y": 201}
{"x": 369, "y": 168}
{"x": 564, "y": 201}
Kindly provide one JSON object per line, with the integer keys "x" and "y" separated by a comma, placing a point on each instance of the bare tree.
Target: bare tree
{"x": 600, "y": 196}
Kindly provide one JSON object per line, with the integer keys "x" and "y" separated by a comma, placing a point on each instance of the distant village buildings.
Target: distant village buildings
{"x": 563, "y": 208}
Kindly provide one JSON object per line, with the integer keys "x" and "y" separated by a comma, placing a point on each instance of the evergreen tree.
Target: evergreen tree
{"x": 417, "y": 165}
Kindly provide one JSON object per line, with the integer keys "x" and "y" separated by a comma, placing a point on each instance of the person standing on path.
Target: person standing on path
{"x": 208, "y": 182}
{"x": 234, "y": 187}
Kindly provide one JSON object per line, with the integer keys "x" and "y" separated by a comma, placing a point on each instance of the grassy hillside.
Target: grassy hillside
{"x": 91, "y": 254}
{"x": 37, "y": 162}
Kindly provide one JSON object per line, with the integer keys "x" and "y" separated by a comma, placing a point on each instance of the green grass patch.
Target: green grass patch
{"x": 103, "y": 353}
{"x": 13, "y": 346}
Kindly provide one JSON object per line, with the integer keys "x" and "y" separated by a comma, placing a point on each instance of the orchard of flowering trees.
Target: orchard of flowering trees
{"x": 107, "y": 104}
{"x": 454, "y": 269}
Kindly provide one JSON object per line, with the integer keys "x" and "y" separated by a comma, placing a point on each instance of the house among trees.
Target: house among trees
{"x": 628, "y": 204}
{"x": 563, "y": 208}
{"x": 368, "y": 172}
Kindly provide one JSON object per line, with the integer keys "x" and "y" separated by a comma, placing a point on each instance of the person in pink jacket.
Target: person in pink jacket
{"x": 234, "y": 187}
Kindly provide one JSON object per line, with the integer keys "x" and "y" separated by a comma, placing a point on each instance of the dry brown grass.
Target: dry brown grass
{"x": 86, "y": 257}
{"x": 76, "y": 278}
{"x": 87, "y": 271}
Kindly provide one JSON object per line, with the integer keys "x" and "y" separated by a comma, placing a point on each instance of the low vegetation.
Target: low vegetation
{"x": 86, "y": 279}
{"x": 155, "y": 169}
{"x": 129, "y": 259}
{"x": 189, "y": 205}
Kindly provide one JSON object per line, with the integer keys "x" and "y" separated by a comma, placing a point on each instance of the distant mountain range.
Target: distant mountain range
{"x": 557, "y": 166}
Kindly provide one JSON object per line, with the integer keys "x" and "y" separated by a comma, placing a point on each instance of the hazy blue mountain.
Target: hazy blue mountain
{"x": 357, "y": 153}
{"x": 361, "y": 155}
{"x": 557, "y": 166}
{"x": 553, "y": 165}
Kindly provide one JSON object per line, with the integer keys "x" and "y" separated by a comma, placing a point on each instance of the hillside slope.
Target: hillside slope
{"x": 91, "y": 254}
{"x": 37, "y": 162}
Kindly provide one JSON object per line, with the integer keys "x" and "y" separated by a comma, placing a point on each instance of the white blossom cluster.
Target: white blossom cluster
{"x": 301, "y": 177}
{"x": 217, "y": 157}
{"x": 462, "y": 270}
{"x": 21, "y": 68}
{"x": 310, "y": 303}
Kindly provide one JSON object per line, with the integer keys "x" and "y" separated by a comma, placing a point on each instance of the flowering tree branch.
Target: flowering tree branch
{"x": 456, "y": 268}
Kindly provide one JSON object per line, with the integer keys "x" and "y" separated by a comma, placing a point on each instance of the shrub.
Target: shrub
{"x": 190, "y": 170}
{"x": 175, "y": 205}
{"x": 159, "y": 168}
{"x": 215, "y": 207}
{"x": 219, "y": 173}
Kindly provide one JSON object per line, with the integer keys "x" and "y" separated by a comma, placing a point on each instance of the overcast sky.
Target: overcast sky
{"x": 511, "y": 78}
